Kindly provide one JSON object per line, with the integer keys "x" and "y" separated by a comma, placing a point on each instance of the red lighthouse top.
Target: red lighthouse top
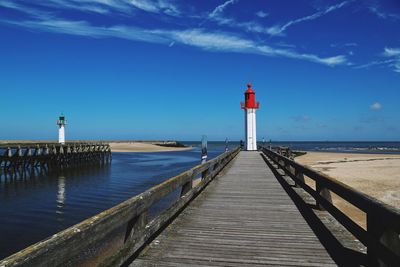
{"x": 250, "y": 99}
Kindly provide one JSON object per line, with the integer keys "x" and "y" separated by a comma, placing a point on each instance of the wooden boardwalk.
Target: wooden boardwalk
{"x": 243, "y": 218}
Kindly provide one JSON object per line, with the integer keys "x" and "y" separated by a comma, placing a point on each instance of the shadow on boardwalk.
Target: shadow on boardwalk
{"x": 345, "y": 251}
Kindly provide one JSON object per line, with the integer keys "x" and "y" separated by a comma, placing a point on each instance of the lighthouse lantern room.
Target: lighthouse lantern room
{"x": 61, "y": 122}
{"x": 250, "y": 106}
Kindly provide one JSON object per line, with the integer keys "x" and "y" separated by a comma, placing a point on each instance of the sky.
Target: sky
{"x": 177, "y": 69}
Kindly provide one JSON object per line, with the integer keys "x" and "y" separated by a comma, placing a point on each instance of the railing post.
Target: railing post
{"x": 323, "y": 192}
{"x": 288, "y": 167}
{"x": 186, "y": 187}
{"x": 135, "y": 227}
{"x": 205, "y": 173}
{"x": 386, "y": 236}
{"x": 299, "y": 176}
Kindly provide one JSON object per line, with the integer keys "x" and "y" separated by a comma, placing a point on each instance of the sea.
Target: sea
{"x": 36, "y": 207}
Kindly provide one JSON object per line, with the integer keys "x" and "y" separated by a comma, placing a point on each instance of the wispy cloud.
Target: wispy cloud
{"x": 33, "y": 12}
{"x": 83, "y": 28}
{"x": 392, "y": 60}
{"x": 391, "y": 52}
{"x": 210, "y": 40}
{"x": 100, "y": 6}
{"x": 383, "y": 15}
{"x": 160, "y": 6}
{"x": 262, "y": 14}
{"x": 279, "y": 29}
{"x": 219, "y": 41}
{"x": 375, "y": 63}
{"x": 394, "y": 55}
{"x": 198, "y": 37}
{"x": 376, "y": 106}
{"x": 219, "y": 9}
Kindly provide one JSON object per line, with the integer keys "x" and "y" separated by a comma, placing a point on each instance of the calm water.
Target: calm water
{"x": 34, "y": 208}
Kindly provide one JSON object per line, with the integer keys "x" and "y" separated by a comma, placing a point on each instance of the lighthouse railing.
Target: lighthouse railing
{"x": 256, "y": 105}
{"x": 382, "y": 234}
{"x": 117, "y": 234}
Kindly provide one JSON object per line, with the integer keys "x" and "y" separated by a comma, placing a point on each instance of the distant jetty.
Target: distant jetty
{"x": 26, "y": 156}
{"x": 115, "y": 145}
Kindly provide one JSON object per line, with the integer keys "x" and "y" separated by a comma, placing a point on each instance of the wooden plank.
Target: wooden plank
{"x": 243, "y": 218}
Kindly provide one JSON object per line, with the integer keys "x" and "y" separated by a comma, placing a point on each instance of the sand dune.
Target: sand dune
{"x": 376, "y": 175}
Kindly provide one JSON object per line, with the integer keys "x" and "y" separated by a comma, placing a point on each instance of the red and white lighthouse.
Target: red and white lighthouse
{"x": 250, "y": 106}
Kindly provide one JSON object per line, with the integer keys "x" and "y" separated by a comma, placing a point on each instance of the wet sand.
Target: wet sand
{"x": 376, "y": 175}
{"x": 142, "y": 147}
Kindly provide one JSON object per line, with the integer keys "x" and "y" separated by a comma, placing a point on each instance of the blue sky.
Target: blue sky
{"x": 119, "y": 69}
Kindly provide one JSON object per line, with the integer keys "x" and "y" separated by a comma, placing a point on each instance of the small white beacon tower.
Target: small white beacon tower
{"x": 61, "y": 122}
{"x": 250, "y": 106}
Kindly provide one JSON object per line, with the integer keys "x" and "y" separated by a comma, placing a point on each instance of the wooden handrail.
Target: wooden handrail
{"x": 113, "y": 236}
{"x": 381, "y": 238}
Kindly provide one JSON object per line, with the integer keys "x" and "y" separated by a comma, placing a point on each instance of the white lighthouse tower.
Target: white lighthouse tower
{"x": 61, "y": 122}
{"x": 250, "y": 106}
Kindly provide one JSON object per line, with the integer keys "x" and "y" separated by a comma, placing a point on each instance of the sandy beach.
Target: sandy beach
{"x": 377, "y": 175}
{"x": 143, "y": 147}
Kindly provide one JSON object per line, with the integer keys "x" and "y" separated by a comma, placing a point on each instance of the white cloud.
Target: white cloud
{"x": 279, "y": 29}
{"x": 160, "y": 6}
{"x": 219, "y": 9}
{"x": 33, "y": 12}
{"x": 83, "y": 28}
{"x": 375, "y": 63}
{"x": 145, "y": 5}
{"x": 212, "y": 41}
{"x": 391, "y": 52}
{"x": 394, "y": 55}
{"x": 227, "y": 42}
{"x": 376, "y": 106}
{"x": 262, "y": 14}
{"x": 103, "y": 6}
{"x": 380, "y": 14}
{"x": 396, "y": 66}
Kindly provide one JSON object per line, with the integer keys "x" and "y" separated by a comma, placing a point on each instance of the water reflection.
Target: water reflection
{"x": 60, "y": 198}
{"x": 43, "y": 203}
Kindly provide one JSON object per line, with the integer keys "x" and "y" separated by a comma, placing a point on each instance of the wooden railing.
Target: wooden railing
{"x": 381, "y": 237}
{"x": 117, "y": 234}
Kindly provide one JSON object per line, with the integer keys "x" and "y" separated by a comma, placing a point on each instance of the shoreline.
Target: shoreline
{"x": 377, "y": 175}
{"x": 145, "y": 147}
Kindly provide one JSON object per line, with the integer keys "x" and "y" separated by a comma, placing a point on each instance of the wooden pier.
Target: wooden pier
{"x": 245, "y": 218}
{"x": 18, "y": 158}
{"x": 239, "y": 209}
